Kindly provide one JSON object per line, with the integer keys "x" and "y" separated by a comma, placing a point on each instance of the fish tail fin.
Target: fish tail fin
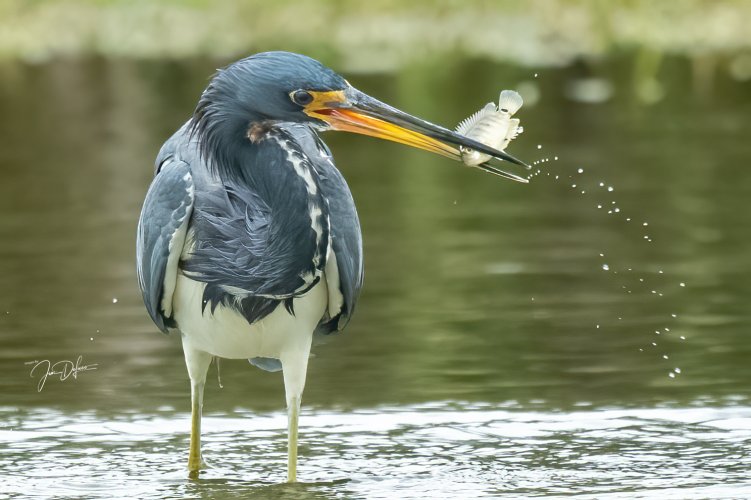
{"x": 510, "y": 101}
{"x": 466, "y": 125}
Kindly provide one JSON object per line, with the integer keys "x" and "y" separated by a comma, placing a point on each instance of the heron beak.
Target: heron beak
{"x": 354, "y": 111}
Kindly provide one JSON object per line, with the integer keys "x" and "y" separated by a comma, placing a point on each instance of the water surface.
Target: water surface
{"x": 438, "y": 450}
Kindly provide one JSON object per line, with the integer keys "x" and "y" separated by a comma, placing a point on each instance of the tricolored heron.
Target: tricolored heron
{"x": 249, "y": 243}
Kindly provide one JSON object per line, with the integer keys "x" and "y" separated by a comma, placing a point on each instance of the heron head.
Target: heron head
{"x": 286, "y": 87}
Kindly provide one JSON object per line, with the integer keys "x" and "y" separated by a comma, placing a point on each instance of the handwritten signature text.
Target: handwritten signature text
{"x": 65, "y": 369}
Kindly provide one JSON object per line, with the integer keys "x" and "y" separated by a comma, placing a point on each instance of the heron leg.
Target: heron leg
{"x": 195, "y": 460}
{"x": 295, "y": 366}
{"x": 198, "y": 364}
{"x": 293, "y": 415}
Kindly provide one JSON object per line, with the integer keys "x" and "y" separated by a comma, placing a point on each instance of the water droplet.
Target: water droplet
{"x": 677, "y": 370}
{"x": 654, "y": 344}
{"x": 682, "y": 284}
{"x": 114, "y": 300}
{"x": 539, "y": 146}
{"x": 91, "y": 338}
{"x": 665, "y": 356}
{"x": 555, "y": 158}
{"x": 666, "y": 329}
{"x": 682, "y": 337}
{"x": 573, "y": 185}
{"x": 616, "y": 210}
{"x": 645, "y": 224}
{"x": 610, "y": 188}
{"x": 581, "y": 170}
{"x": 535, "y": 75}
{"x": 674, "y": 315}
{"x": 628, "y": 219}
{"x": 671, "y": 375}
{"x": 599, "y": 206}
{"x": 606, "y": 267}
{"x": 602, "y": 255}
{"x": 597, "y": 326}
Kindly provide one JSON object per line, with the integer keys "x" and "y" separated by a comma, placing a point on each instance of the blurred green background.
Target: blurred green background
{"x": 476, "y": 288}
{"x": 383, "y": 34}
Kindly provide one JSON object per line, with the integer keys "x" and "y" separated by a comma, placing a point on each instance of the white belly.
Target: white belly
{"x": 227, "y": 334}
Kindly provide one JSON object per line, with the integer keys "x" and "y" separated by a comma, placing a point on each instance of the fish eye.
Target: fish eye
{"x": 301, "y": 97}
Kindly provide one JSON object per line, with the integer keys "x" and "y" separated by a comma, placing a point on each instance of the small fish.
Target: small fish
{"x": 491, "y": 126}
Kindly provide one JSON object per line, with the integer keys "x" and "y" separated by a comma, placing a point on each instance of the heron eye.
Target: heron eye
{"x": 302, "y": 97}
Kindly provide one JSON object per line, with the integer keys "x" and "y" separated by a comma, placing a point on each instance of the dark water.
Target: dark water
{"x": 491, "y": 354}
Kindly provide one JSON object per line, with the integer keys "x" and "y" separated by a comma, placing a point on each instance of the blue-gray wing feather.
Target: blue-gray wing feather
{"x": 346, "y": 242}
{"x": 161, "y": 236}
{"x": 251, "y": 246}
{"x": 346, "y": 235}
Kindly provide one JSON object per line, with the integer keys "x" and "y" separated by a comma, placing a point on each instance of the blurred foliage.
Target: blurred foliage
{"x": 374, "y": 35}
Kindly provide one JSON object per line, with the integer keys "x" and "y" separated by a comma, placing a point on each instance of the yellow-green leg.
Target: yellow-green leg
{"x": 198, "y": 364}
{"x": 295, "y": 366}
{"x": 195, "y": 460}
{"x": 293, "y": 416}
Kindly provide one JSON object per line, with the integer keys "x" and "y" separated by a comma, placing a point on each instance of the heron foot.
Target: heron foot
{"x": 196, "y": 465}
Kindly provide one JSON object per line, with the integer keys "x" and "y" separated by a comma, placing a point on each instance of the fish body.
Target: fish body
{"x": 492, "y": 126}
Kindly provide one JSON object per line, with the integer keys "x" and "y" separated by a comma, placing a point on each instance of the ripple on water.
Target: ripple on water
{"x": 442, "y": 450}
